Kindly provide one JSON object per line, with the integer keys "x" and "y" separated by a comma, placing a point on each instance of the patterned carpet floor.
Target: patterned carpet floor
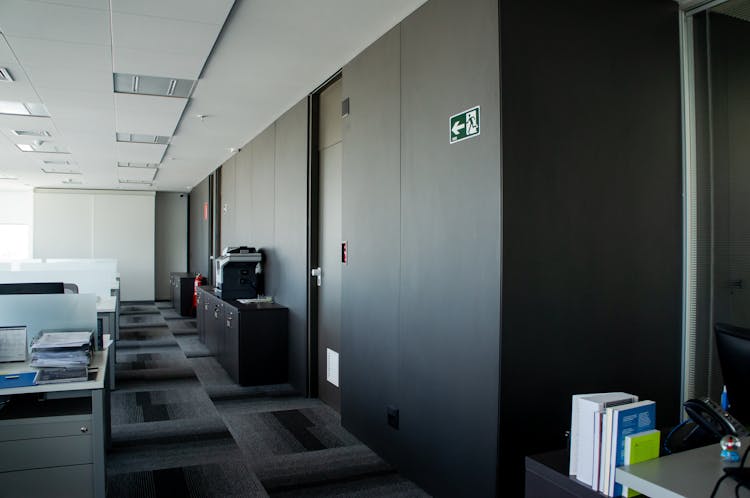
{"x": 182, "y": 428}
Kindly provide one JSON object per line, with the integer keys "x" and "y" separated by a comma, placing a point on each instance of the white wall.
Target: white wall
{"x": 171, "y": 239}
{"x": 100, "y": 224}
{"x": 17, "y": 208}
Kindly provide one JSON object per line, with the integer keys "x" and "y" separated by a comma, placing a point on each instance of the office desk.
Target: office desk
{"x": 56, "y": 446}
{"x": 688, "y": 474}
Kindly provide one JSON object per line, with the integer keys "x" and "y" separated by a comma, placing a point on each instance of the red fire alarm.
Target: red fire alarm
{"x": 344, "y": 252}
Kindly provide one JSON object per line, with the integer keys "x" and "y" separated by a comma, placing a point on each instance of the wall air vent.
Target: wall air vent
{"x": 5, "y": 75}
{"x": 142, "y": 139}
{"x": 152, "y": 85}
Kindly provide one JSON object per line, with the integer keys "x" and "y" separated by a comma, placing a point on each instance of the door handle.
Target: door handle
{"x": 317, "y": 272}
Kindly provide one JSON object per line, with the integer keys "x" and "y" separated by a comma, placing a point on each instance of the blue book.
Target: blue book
{"x": 628, "y": 420}
{"x": 21, "y": 379}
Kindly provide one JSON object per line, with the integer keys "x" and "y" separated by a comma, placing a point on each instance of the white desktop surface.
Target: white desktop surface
{"x": 106, "y": 304}
{"x": 688, "y": 474}
{"x": 98, "y": 361}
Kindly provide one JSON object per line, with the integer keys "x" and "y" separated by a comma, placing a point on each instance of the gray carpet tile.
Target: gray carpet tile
{"x": 192, "y": 346}
{"x": 221, "y": 479}
{"x": 315, "y": 467}
{"x": 170, "y": 314}
{"x": 142, "y": 320}
{"x": 167, "y": 404}
{"x": 389, "y": 485}
{"x": 133, "y": 309}
{"x": 182, "y": 427}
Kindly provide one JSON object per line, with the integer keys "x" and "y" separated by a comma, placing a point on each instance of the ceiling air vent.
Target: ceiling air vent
{"x": 142, "y": 139}
{"x": 43, "y": 146}
{"x": 23, "y": 108}
{"x": 152, "y": 85}
{"x": 121, "y": 164}
{"x": 5, "y": 74}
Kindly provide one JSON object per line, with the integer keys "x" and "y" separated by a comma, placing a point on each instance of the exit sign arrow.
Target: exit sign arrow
{"x": 464, "y": 125}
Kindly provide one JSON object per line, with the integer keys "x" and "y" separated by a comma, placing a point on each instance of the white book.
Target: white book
{"x": 585, "y": 445}
{"x": 598, "y": 418}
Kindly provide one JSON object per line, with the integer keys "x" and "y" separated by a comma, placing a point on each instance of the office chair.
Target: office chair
{"x": 70, "y": 288}
{"x": 733, "y": 346}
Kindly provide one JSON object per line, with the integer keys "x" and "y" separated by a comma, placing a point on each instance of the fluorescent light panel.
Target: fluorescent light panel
{"x": 142, "y": 139}
{"x": 56, "y": 162}
{"x": 5, "y": 75}
{"x": 121, "y": 164}
{"x": 23, "y": 108}
{"x": 32, "y": 133}
{"x": 60, "y": 171}
{"x": 152, "y": 85}
{"x": 43, "y": 147}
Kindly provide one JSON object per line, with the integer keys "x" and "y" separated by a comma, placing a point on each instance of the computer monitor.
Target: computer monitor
{"x": 32, "y": 288}
{"x": 733, "y": 346}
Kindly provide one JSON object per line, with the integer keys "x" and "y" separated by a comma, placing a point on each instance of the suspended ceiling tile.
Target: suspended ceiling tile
{"x": 52, "y": 21}
{"x": 12, "y": 122}
{"x": 54, "y": 64}
{"x": 164, "y": 35}
{"x": 140, "y": 153}
{"x": 156, "y": 63}
{"x": 88, "y": 4}
{"x": 147, "y": 114}
{"x": 137, "y": 174}
{"x": 211, "y": 12}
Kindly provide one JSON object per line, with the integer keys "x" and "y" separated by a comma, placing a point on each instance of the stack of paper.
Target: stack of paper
{"x": 62, "y": 356}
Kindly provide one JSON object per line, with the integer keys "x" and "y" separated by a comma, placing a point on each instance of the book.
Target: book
{"x": 625, "y": 420}
{"x": 640, "y": 447}
{"x": 584, "y": 442}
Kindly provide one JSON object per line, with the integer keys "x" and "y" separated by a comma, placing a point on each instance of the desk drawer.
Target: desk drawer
{"x": 41, "y": 427}
{"x": 45, "y": 452}
{"x": 74, "y": 481}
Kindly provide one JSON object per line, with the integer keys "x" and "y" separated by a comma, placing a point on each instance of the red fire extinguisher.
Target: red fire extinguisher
{"x": 199, "y": 280}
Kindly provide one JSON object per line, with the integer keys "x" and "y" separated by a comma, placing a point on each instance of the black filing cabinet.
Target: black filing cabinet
{"x": 182, "y": 292}
{"x": 249, "y": 340}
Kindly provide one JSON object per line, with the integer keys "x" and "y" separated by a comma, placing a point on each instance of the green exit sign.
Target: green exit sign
{"x": 464, "y": 125}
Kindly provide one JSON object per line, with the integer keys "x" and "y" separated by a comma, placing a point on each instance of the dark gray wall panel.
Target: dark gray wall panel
{"x": 243, "y": 194}
{"x": 200, "y": 237}
{"x": 171, "y": 226}
{"x": 450, "y": 281}
{"x": 591, "y": 213}
{"x": 229, "y": 236}
{"x": 262, "y": 188}
{"x": 287, "y": 277}
{"x": 371, "y": 203}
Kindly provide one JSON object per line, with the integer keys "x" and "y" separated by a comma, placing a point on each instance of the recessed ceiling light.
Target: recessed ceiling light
{"x": 42, "y": 146}
{"x": 23, "y": 108}
{"x": 32, "y": 133}
{"x": 142, "y": 138}
{"x": 121, "y": 164}
{"x": 60, "y": 171}
{"x": 152, "y": 85}
{"x": 136, "y": 182}
{"x": 5, "y": 75}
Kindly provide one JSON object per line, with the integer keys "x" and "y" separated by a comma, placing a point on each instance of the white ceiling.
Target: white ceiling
{"x": 270, "y": 54}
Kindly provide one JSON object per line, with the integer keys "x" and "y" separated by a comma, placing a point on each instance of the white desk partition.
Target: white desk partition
{"x": 92, "y": 276}
{"x": 39, "y": 312}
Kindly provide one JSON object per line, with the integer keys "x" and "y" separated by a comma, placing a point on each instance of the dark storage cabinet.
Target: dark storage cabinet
{"x": 181, "y": 285}
{"x": 249, "y": 340}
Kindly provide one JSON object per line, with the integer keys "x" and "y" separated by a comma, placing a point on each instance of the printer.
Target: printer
{"x": 239, "y": 273}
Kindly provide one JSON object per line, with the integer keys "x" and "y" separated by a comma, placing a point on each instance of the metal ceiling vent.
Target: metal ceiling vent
{"x": 142, "y": 139}
{"x": 153, "y": 85}
{"x": 5, "y": 75}
{"x": 32, "y": 133}
{"x": 60, "y": 171}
